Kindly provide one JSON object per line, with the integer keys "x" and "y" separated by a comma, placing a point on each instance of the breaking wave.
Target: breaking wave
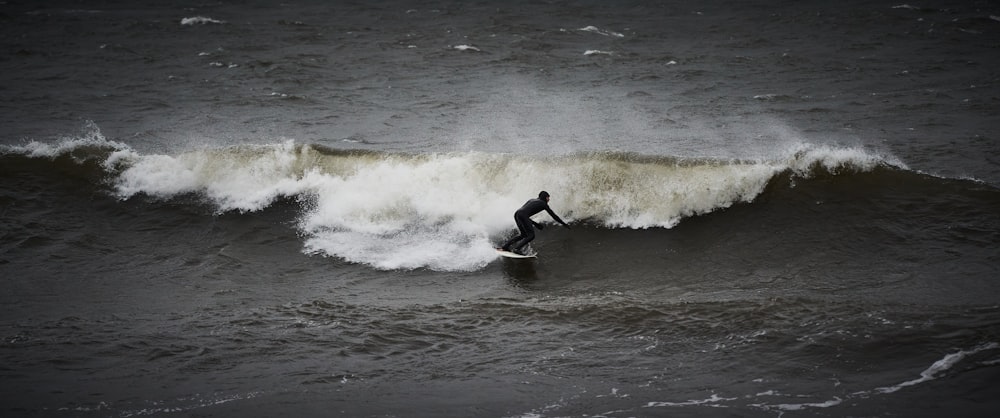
{"x": 443, "y": 211}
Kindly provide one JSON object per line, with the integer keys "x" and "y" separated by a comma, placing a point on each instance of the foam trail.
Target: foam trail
{"x": 801, "y": 406}
{"x": 713, "y": 400}
{"x": 938, "y": 367}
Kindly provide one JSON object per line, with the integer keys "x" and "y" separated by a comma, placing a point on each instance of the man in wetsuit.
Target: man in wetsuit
{"x": 525, "y": 225}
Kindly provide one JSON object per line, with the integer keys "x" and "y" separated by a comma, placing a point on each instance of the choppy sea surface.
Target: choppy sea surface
{"x": 778, "y": 208}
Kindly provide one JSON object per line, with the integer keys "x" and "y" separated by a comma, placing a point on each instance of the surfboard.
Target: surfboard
{"x": 509, "y": 254}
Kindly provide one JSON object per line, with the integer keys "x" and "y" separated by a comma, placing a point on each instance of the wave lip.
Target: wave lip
{"x": 805, "y": 158}
{"x": 90, "y": 144}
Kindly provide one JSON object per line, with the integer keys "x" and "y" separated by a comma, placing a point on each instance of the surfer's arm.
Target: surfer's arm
{"x": 556, "y": 217}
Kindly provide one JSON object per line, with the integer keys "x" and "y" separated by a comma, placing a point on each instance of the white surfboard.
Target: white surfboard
{"x": 509, "y": 254}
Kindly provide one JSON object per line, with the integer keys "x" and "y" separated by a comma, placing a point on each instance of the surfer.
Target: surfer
{"x": 526, "y": 226}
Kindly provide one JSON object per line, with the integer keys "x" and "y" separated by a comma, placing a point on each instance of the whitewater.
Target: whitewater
{"x": 443, "y": 211}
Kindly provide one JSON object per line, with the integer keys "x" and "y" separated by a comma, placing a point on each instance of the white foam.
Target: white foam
{"x": 466, "y": 48}
{"x": 246, "y": 178}
{"x": 200, "y": 20}
{"x": 803, "y": 157}
{"x": 596, "y": 52}
{"x": 404, "y": 213}
{"x": 390, "y": 212}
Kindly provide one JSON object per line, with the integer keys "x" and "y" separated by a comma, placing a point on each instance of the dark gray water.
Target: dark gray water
{"x": 262, "y": 209}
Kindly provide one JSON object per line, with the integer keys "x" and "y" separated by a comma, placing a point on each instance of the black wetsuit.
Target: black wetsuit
{"x": 522, "y": 217}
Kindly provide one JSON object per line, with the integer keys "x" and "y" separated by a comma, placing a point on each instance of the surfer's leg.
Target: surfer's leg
{"x": 518, "y": 237}
{"x": 506, "y": 245}
{"x": 527, "y": 234}
{"x": 519, "y": 246}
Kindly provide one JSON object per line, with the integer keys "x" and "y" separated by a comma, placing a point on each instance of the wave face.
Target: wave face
{"x": 442, "y": 211}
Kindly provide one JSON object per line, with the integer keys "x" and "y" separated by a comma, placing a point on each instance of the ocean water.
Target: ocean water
{"x": 778, "y": 208}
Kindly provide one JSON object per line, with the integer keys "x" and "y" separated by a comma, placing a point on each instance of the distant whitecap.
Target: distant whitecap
{"x": 599, "y": 31}
{"x": 188, "y": 21}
